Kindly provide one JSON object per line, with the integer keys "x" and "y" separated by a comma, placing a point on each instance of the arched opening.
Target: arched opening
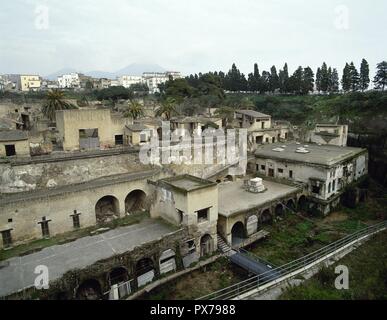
{"x": 290, "y": 206}
{"x": 302, "y": 204}
{"x": 266, "y": 217}
{"x": 206, "y": 245}
{"x": 237, "y": 233}
{"x": 167, "y": 261}
{"x": 135, "y": 201}
{"x": 229, "y": 178}
{"x": 145, "y": 271}
{"x": 160, "y": 133}
{"x": 252, "y": 225}
{"x": 89, "y": 290}
{"x": 119, "y": 283}
{"x": 279, "y": 210}
{"x": 107, "y": 209}
{"x": 218, "y": 181}
{"x": 118, "y": 276}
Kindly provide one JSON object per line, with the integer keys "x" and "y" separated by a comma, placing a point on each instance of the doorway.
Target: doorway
{"x": 10, "y": 150}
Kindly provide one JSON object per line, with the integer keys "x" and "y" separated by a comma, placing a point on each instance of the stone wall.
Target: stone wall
{"x": 61, "y": 173}
{"x": 23, "y": 213}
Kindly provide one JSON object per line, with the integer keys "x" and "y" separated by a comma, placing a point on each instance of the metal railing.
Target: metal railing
{"x": 282, "y": 273}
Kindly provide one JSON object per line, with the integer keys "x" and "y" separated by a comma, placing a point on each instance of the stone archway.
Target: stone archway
{"x": 252, "y": 225}
{"x": 167, "y": 261}
{"x": 266, "y": 217}
{"x": 229, "y": 178}
{"x": 145, "y": 271}
{"x": 279, "y": 210}
{"x": 107, "y": 209}
{"x": 135, "y": 201}
{"x": 119, "y": 283}
{"x": 238, "y": 234}
{"x": 302, "y": 204}
{"x": 118, "y": 275}
{"x": 290, "y": 206}
{"x": 89, "y": 290}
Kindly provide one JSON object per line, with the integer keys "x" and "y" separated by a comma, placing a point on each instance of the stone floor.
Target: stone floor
{"x": 18, "y": 273}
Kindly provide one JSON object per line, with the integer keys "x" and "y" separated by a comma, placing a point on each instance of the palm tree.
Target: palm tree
{"x": 246, "y": 104}
{"x": 135, "y": 110}
{"x": 167, "y": 109}
{"x": 226, "y": 113}
{"x": 54, "y": 101}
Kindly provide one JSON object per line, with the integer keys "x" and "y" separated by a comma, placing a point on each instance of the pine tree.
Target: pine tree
{"x": 354, "y": 76}
{"x": 318, "y": 80}
{"x": 346, "y": 79}
{"x": 364, "y": 75}
{"x": 334, "y": 81}
{"x": 329, "y": 80}
{"x": 296, "y": 81}
{"x": 265, "y": 82}
{"x": 283, "y": 77}
{"x": 324, "y": 78}
{"x": 257, "y": 77}
{"x": 274, "y": 79}
{"x": 380, "y": 79}
{"x": 251, "y": 82}
{"x": 307, "y": 81}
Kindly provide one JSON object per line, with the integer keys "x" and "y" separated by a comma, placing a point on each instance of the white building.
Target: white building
{"x": 115, "y": 83}
{"x": 260, "y": 128}
{"x": 154, "y": 79}
{"x": 325, "y": 170}
{"x": 69, "y": 81}
{"x": 2, "y": 83}
{"x": 128, "y": 81}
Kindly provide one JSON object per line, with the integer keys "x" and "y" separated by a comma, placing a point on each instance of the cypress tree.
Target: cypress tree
{"x": 364, "y": 75}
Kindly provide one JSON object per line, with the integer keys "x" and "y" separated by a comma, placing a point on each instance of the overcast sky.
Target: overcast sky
{"x": 189, "y": 35}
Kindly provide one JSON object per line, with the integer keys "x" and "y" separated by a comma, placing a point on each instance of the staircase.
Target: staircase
{"x": 224, "y": 248}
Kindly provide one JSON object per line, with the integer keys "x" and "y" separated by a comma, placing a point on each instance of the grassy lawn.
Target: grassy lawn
{"x": 40, "y": 244}
{"x": 367, "y": 276}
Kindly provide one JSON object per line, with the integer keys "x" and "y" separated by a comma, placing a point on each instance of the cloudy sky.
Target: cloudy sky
{"x": 43, "y": 36}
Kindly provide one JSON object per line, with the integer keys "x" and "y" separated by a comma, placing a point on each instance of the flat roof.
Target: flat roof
{"x": 252, "y": 113}
{"x": 13, "y": 135}
{"x": 233, "y": 198}
{"x": 18, "y": 274}
{"x": 186, "y": 183}
{"x": 326, "y": 155}
{"x": 137, "y": 127}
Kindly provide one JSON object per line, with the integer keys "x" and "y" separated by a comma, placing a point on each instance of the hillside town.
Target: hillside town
{"x": 78, "y": 81}
{"x": 158, "y": 156}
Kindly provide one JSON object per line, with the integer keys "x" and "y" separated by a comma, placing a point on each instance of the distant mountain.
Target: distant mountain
{"x": 135, "y": 69}
{"x": 55, "y": 75}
